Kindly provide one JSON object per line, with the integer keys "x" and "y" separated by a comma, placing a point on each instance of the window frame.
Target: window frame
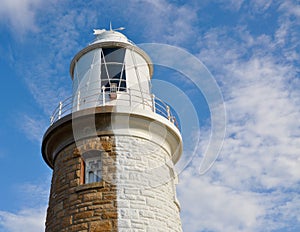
{"x": 91, "y": 167}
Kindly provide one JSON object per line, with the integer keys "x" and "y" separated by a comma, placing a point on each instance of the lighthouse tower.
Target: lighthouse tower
{"x": 112, "y": 145}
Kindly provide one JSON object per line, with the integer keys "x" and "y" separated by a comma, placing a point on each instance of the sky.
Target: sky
{"x": 252, "y": 50}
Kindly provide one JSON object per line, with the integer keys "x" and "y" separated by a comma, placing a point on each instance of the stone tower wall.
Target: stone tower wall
{"x": 146, "y": 187}
{"x": 137, "y": 191}
{"x": 75, "y": 206}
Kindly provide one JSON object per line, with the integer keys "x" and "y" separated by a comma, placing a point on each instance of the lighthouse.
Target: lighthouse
{"x": 112, "y": 145}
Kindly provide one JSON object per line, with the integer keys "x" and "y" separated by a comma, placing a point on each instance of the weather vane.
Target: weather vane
{"x": 100, "y": 31}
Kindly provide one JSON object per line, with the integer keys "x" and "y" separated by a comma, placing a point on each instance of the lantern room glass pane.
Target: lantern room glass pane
{"x": 113, "y": 55}
{"x": 112, "y": 68}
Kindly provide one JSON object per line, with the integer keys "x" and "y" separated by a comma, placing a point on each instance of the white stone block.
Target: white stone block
{"x": 148, "y": 187}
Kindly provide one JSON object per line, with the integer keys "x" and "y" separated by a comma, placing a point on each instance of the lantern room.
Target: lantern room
{"x": 111, "y": 71}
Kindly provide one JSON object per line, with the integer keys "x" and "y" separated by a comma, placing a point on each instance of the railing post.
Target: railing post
{"x": 153, "y": 103}
{"x": 130, "y": 97}
{"x": 78, "y": 100}
{"x": 172, "y": 120}
{"x": 103, "y": 95}
{"x": 60, "y": 109}
{"x": 168, "y": 112}
{"x": 51, "y": 120}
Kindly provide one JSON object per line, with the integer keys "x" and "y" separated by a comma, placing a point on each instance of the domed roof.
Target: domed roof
{"x": 103, "y": 35}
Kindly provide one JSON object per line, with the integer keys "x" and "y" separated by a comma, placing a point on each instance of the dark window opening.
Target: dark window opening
{"x": 112, "y": 69}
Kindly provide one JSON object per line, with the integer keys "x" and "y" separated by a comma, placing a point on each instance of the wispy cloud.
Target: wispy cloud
{"x": 47, "y": 74}
{"x": 19, "y": 14}
{"x": 291, "y": 8}
{"x": 208, "y": 206}
{"x": 167, "y": 23}
{"x": 32, "y": 126}
{"x": 233, "y": 5}
{"x": 257, "y": 6}
{"x": 34, "y": 195}
{"x": 31, "y": 217}
{"x": 28, "y": 220}
{"x": 253, "y": 185}
{"x": 288, "y": 33}
{"x": 261, "y": 5}
{"x": 258, "y": 167}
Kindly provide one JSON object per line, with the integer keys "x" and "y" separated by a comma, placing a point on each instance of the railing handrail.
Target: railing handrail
{"x": 73, "y": 103}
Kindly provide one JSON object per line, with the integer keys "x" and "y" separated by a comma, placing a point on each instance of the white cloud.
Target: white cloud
{"x": 250, "y": 186}
{"x": 233, "y": 5}
{"x": 257, "y": 6}
{"x": 33, "y": 127}
{"x": 47, "y": 74}
{"x": 261, "y": 5}
{"x": 34, "y": 195}
{"x": 167, "y": 22}
{"x": 287, "y": 34}
{"x": 253, "y": 185}
{"x": 27, "y": 220}
{"x": 213, "y": 207}
{"x": 33, "y": 199}
{"x": 19, "y": 14}
{"x": 291, "y": 8}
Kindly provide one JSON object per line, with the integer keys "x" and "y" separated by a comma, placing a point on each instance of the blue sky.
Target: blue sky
{"x": 250, "y": 47}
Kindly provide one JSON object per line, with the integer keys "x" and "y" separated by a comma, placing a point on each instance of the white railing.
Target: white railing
{"x": 105, "y": 97}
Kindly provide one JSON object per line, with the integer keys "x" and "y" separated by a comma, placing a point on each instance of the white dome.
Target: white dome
{"x": 109, "y": 36}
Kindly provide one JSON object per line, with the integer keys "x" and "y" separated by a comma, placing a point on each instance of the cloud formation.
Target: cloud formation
{"x": 33, "y": 127}
{"x": 28, "y": 220}
{"x": 19, "y": 14}
{"x": 254, "y": 185}
{"x": 31, "y": 217}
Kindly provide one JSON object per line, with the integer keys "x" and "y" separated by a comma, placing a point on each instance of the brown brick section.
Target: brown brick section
{"x": 75, "y": 206}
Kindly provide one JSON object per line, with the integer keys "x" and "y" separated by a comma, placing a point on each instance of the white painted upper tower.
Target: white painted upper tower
{"x": 115, "y": 66}
{"x": 112, "y": 104}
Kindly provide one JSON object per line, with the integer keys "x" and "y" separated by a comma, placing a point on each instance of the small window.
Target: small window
{"x": 92, "y": 166}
